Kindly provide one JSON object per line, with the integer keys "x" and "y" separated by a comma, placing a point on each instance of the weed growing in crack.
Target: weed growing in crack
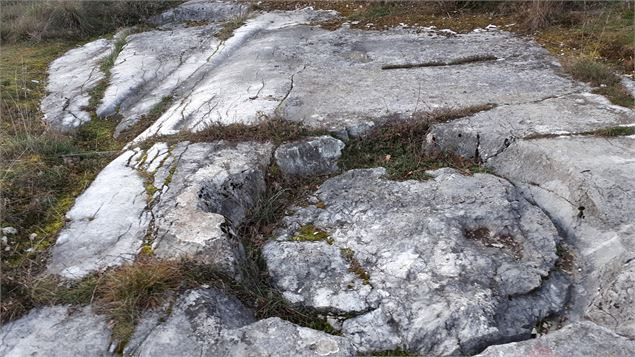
{"x": 124, "y": 293}
{"x": 274, "y": 130}
{"x": 354, "y": 266}
{"x": 566, "y": 258}
{"x": 230, "y": 26}
{"x": 398, "y": 145}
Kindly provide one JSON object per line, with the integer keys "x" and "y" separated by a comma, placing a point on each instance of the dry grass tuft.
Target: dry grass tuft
{"x": 274, "y": 130}
{"x": 72, "y": 19}
{"x": 398, "y": 144}
{"x": 230, "y": 26}
{"x": 124, "y": 293}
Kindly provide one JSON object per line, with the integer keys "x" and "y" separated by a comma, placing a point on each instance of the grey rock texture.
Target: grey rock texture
{"x": 580, "y": 339}
{"x": 211, "y": 189}
{"x": 486, "y": 134}
{"x": 586, "y": 186}
{"x": 234, "y": 87}
{"x": 106, "y": 225}
{"x": 307, "y": 59}
{"x": 56, "y": 331}
{"x": 71, "y": 78}
{"x": 439, "y": 267}
{"x": 278, "y": 59}
{"x": 202, "y": 10}
{"x": 276, "y": 337}
{"x": 210, "y": 323}
{"x": 311, "y": 156}
{"x": 200, "y": 193}
{"x": 614, "y": 306}
{"x": 195, "y": 324}
{"x": 150, "y": 66}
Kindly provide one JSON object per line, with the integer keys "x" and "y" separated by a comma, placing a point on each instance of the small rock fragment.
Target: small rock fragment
{"x": 9, "y": 231}
{"x": 311, "y": 156}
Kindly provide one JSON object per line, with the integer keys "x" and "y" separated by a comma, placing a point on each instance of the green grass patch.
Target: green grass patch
{"x": 592, "y": 71}
{"x": 617, "y": 94}
{"x": 371, "y": 12}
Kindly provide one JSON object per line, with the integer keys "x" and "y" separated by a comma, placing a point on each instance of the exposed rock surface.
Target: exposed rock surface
{"x": 311, "y": 156}
{"x": 629, "y": 84}
{"x": 486, "y": 134}
{"x": 614, "y": 306}
{"x": 56, "y": 331}
{"x": 151, "y": 65}
{"x": 278, "y": 59}
{"x": 586, "y": 185}
{"x": 439, "y": 267}
{"x": 210, "y": 190}
{"x": 106, "y": 225}
{"x": 203, "y": 191}
{"x": 241, "y": 83}
{"x": 306, "y": 59}
{"x": 71, "y": 78}
{"x": 580, "y": 339}
{"x": 206, "y": 322}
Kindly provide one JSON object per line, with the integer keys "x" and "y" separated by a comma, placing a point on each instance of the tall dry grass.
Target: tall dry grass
{"x": 71, "y": 19}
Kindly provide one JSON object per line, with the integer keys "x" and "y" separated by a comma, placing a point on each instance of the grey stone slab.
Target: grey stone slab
{"x": 437, "y": 267}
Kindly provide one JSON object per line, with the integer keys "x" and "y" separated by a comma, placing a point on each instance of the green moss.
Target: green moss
{"x": 170, "y": 176}
{"x": 320, "y": 324}
{"x": 147, "y": 250}
{"x": 310, "y": 233}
